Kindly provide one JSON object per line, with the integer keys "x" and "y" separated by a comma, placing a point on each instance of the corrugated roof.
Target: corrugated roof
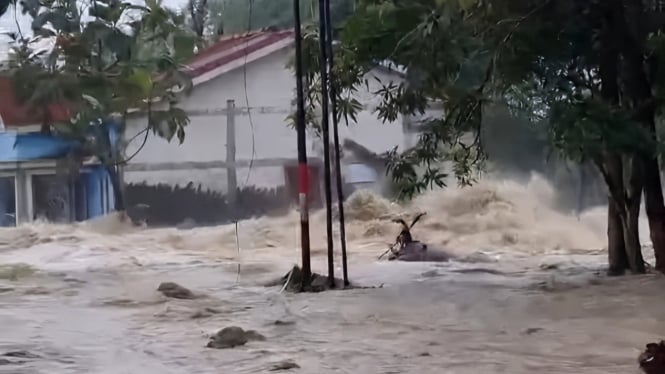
{"x": 15, "y": 114}
{"x": 233, "y": 48}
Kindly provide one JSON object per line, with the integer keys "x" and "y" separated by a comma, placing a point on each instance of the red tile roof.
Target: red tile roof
{"x": 14, "y": 114}
{"x": 232, "y": 48}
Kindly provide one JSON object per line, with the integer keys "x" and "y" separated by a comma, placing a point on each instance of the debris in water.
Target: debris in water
{"x": 293, "y": 282}
{"x": 280, "y": 322}
{"x": 20, "y": 357}
{"x": 652, "y": 359}
{"x": 532, "y": 330}
{"x": 284, "y": 365}
{"x": 233, "y": 336}
{"x": 406, "y": 248}
{"x": 20, "y": 354}
{"x": 205, "y": 313}
{"x": 176, "y": 291}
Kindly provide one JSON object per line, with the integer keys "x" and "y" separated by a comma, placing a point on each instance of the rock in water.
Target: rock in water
{"x": 176, "y": 291}
{"x": 233, "y": 336}
{"x": 284, "y": 365}
{"x": 652, "y": 359}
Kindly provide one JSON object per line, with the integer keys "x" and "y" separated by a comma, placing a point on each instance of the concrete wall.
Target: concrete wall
{"x": 270, "y": 89}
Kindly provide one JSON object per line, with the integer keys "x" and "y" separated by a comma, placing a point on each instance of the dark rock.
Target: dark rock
{"x": 205, "y": 313}
{"x": 253, "y": 335}
{"x": 5, "y": 362}
{"x": 478, "y": 270}
{"x": 279, "y": 322}
{"x": 20, "y": 354}
{"x": 176, "y": 291}
{"x": 424, "y": 354}
{"x": 233, "y": 336}
{"x": 532, "y": 330}
{"x": 652, "y": 359}
{"x": 284, "y": 365}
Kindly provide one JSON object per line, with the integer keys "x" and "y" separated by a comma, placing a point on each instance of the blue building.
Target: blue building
{"x": 38, "y": 178}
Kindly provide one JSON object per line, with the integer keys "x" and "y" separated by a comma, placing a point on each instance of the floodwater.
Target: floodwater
{"x": 527, "y": 296}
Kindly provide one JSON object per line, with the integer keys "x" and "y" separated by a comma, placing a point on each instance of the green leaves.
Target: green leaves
{"x": 123, "y": 58}
{"x": 141, "y": 80}
{"x": 169, "y": 123}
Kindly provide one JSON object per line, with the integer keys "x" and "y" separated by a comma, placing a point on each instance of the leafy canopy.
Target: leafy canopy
{"x": 539, "y": 57}
{"x": 108, "y": 58}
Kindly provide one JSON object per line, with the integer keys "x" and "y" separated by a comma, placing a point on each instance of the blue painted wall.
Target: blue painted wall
{"x": 22, "y": 147}
{"x": 98, "y": 184}
{"x": 99, "y": 197}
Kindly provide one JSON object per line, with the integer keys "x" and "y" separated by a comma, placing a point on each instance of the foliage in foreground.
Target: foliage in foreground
{"x": 538, "y": 57}
{"x": 108, "y": 59}
{"x": 590, "y": 71}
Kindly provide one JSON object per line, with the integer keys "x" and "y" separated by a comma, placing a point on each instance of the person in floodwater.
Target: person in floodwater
{"x": 407, "y": 249}
{"x": 410, "y": 250}
{"x": 652, "y": 360}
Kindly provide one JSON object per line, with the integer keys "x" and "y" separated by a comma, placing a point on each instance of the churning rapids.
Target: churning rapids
{"x": 529, "y": 295}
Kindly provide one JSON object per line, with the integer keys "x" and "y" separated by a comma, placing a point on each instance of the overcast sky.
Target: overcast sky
{"x": 8, "y": 23}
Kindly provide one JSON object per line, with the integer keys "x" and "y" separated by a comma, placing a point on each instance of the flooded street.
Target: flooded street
{"x": 526, "y": 295}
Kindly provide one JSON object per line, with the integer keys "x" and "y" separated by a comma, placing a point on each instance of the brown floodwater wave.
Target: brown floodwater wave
{"x": 527, "y": 295}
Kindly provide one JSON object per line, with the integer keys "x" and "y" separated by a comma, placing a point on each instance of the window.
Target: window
{"x": 51, "y": 198}
{"x": 7, "y": 201}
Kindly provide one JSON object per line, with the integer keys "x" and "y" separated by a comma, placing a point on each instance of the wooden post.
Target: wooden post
{"x": 231, "y": 173}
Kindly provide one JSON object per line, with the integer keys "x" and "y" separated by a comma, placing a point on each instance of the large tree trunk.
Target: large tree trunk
{"x": 618, "y": 257}
{"x": 655, "y": 208}
{"x": 620, "y": 234}
{"x": 632, "y": 38}
{"x": 631, "y": 236}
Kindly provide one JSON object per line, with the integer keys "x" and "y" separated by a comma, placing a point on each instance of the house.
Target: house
{"x": 38, "y": 178}
{"x": 242, "y": 93}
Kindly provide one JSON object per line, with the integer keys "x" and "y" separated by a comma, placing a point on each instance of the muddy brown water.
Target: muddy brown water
{"x": 530, "y": 296}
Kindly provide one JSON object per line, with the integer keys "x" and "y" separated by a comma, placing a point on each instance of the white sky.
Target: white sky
{"x": 9, "y": 24}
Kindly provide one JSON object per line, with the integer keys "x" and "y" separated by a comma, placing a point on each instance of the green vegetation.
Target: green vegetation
{"x": 109, "y": 58}
{"x": 235, "y": 14}
{"x": 587, "y": 73}
{"x": 584, "y": 70}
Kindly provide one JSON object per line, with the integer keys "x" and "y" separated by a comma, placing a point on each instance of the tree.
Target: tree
{"x": 576, "y": 66}
{"x": 124, "y": 58}
{"x": 4, "y": 6}
{"x": 240, "y": 15}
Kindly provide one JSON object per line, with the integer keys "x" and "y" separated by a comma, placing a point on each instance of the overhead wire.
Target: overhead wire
{"x": 251, "y": 126}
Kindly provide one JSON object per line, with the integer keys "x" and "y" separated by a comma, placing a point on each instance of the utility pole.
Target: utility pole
{"x": 303, "y": 171}
{"x": 231, "y": 172}
{"x": 332, "y": 88}
{"x": 325, "y": 125}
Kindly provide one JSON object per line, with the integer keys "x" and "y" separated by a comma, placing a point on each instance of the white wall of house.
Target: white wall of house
{"x": 270, "y": 88}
